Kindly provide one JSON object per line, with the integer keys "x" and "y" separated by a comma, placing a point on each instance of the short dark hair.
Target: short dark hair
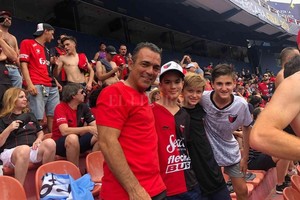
{"x": 255, "y": 100}
{"x": 256, "y": 112}
{"x": 292, "y": 66}
{"x": 285, "y": 54}
{"x": 142, "y": 45}
{"x": 69, "y": 38}
{"x": 70, "y": 90}
{"x": 222, "y": 69}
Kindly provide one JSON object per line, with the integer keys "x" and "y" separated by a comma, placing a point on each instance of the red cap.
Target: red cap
{"x": 119, "y": 60}
{"x": 5, "y": 13}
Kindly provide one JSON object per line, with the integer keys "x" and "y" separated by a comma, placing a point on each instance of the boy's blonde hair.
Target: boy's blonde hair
{"x": 194, "y": 80}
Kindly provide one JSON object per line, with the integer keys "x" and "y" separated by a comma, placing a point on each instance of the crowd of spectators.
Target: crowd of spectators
{"x": 59, "y": 92}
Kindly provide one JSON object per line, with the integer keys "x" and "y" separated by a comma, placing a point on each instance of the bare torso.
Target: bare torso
{"x": 70, "y": 65}
{"x": 11, "y": 41}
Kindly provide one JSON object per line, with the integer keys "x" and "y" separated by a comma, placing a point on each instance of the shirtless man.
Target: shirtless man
{"x": 107, "y": 70}
{"x": 11, "y": 65}
{"x": 285, "y": 55}
{"x": 74, "y": 64}
{"x": 6, "y": 53}
{"x": 267, "y": 134}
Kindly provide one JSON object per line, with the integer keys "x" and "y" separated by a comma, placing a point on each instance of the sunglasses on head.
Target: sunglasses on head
{"x": 2, "y": 18}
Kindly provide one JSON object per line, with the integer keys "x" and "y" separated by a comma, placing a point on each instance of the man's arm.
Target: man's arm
{"x": 101, "y": 72}
{"x": 279, "y": 78}
{"x": 16, "y": 48}
{"x": 66, "y": 130}
{"x": 267, "y": 134}
{"x": 182, "y": 60}
{"x": 245, "y": 150}
{"x": 59, "y": 65}
{"x": 96, "y": 56}
{"x": 30, "y": 87}
{"x": 8, "y": 50}
{"x": 116, "y": 161}
{"x": 91, "y": 76}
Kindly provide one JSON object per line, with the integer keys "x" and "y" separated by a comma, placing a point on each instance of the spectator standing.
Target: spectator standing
{"x": 21, "y": 136}
{"x": 121, "y": 61}
{"x": 127, "y": 129}
{"x": 101, "y": 53}
{"x": 75, "y": 64}
{"x": 266, "y": 87}
{"x": 70, "y": 133}
{"x": 106, "y": 69}
{"x": 261, "y": 161}
{"x": 55, "y": 52}
{"x": 37, "y": 71}
{"x": 11, "y": 64}
{"x": 285, "y": 55}
{"x": 208, "y": 172}
{"x": 7, "y": 53}
{"x": 225, "y": 113}
{"x": 186, "y": 60}
{"x": 278, "y": 114}
{"x": 174, "y": 159}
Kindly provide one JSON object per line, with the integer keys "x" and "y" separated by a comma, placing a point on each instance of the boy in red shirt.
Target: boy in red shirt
{"x": 172, "y": 127}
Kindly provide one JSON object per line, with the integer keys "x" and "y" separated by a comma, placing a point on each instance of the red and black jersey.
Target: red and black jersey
{"x": 174, "y": 160}
{"x": 26, "y": 134}
{"x": 38, "y": 58}
{"x": 64, "y": 114}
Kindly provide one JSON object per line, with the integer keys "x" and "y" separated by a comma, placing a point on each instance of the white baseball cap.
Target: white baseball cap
{"x": 171, "y": 66}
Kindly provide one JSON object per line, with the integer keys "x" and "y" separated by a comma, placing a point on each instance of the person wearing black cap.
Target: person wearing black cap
{"x": 107, "y": 70}
{"x": 11, "y": 65}
{"x": 6, "y": 53}
{"x": 37, "y": 72}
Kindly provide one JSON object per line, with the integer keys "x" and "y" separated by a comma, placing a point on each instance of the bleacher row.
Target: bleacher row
{"x": 259, "y": 188}
{"x": 293, "y": 192}
{"x": 90, "y": 162}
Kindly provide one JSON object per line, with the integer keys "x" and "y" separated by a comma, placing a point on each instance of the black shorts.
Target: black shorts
{"x": 261, "y": 162}
{"x": 84, "y": 143}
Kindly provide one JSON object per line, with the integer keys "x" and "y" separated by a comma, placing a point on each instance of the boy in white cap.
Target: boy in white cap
{"x": 172, "y": 127}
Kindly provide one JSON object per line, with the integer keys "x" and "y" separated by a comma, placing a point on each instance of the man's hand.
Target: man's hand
{"x": 32, "y": 90}
{"x": 139, "y": 194}
{"x": 89, "y": 87}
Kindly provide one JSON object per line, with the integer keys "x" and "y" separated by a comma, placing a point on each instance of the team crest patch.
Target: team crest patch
{"x": 232, "y": 118}
{"x": 167, "y": 66}
{"x": 181, "y": 127}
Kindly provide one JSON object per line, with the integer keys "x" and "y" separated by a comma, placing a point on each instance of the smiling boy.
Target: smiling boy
{"x": 172, "y": 127}
{"x": 225, "y": 113}
{"x": 208, "y": 172}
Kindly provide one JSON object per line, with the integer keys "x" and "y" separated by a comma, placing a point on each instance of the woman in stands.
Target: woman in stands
{"x": 21, "y": 135}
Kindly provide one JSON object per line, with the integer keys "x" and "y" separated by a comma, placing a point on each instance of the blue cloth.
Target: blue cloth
{"x": 64, "y": 187}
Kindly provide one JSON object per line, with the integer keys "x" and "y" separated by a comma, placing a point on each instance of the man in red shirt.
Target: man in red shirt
{"x": 74, "y": 126}
{"x": 126, "y": 132}
{"x": 37, "y": 72}
{"x": 121, "y": 61}
{"x": 266, "y": 87}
